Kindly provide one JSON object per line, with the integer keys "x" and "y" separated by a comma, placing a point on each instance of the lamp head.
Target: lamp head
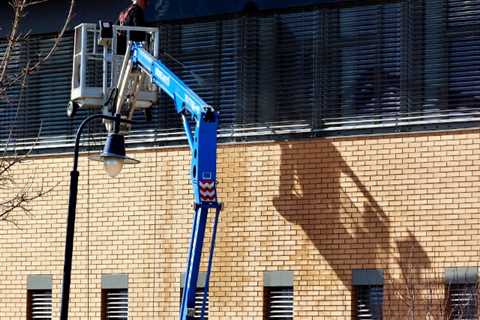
{"x": 113, "y": 155}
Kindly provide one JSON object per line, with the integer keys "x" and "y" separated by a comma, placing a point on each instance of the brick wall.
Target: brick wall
{"x": 407, "y": 204}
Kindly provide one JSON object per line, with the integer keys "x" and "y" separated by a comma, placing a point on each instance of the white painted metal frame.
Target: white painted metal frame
{"x": 90, "y": 95}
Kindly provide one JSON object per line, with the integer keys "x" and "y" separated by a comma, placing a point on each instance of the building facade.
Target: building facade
{"x": 349, "y": 170}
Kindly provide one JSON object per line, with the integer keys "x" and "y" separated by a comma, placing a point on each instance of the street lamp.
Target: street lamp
{"x": 113, "y": 155}
{"x": 114, "y": 158}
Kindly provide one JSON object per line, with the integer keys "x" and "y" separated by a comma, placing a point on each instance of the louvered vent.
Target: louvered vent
{"x": 280, "y": 303}
{"x": 369, "y": 302}
{"x": 199, "y": 303}
{"x": 116, "y": 304}
{"x": 40, "y": 305}
{"x": 463, "y": 301}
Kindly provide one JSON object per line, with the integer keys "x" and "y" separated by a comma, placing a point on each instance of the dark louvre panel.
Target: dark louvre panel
{"x": 463, "y": 301}
{"x": 443, "y": 73}
{"x": 39, "y": 110}
{"x": 363, "y": 64}
{"x": 204, "y": 55}
{"x": 286, "y": 67}
{"x": 40, "y": 305}
{"x": 116, "y": 307}
{"x": 48, "y": 90}
{"x": 297, "y": 34}
{"x": 253, "y": 34}
{"x": 369, "y": 302}
{"x": 463, "y": 35}
{"x": 199, "y": 303}
{"x": 9, "y": 95}
{"x": 407, "y": 63}
{"x": 280, "y": 303}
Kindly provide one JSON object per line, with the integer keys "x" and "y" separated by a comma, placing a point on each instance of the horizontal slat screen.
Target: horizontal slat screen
{"x": 396, "y": 66}
{"x": 280, "y": 303}
{"x": 363, "y": 68}
{"x": 40, "y": 305}
{"x": 39, "y": 110}
{"x": 116, "y": 307}
{"x": 199, "y": 303}
{"x": 369, "y": 302}
{"x": 463, "y": 301}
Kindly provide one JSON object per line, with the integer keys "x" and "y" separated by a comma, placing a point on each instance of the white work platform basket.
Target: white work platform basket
{"x": 96, "y": 68}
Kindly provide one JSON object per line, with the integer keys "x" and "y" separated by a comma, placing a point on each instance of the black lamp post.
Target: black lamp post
{"x": 114, "y": 157}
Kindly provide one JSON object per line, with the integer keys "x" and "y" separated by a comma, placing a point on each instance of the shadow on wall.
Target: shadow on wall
{"x": 413, "y": 260}
{"x": 321, "y": 193}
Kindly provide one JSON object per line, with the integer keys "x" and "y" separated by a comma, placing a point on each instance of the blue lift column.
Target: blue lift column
{"x": 202, "y": 140}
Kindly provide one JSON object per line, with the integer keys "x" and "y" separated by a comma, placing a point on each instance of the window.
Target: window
{"x": 462, "y": 293}
{"x": 463, "y": 38}
{"x": 199, "y": 294}
{"x": 444, "y": 46}
{"x": 387, "y": 66}
{"x": 278, "y": 295}
{"x": 204, "y": 56}
{"x": 365, "y": 70}
{"x": 39, "y": 108}
{"x": 367, "y": 294}
{"x": 114, "y": 297}
{"x": 39, "y": 297}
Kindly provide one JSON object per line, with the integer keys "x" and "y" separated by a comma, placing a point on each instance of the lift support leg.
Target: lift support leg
{"x": 187, "y": 309}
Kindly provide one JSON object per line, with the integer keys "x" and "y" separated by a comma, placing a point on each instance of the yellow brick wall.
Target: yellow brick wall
{"x": 407, "y": 204}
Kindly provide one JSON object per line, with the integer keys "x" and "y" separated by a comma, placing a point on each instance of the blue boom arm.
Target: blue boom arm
{"x": 203, "y": 144}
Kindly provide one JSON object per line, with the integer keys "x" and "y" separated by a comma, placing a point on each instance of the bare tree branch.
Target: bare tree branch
{"x": 19, "y": 195}
{"x": 20, "y": 7}
{"x": 59, "y": 37}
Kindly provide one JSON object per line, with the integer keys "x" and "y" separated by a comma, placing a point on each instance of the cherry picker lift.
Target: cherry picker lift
{"x": 129, "y": 83}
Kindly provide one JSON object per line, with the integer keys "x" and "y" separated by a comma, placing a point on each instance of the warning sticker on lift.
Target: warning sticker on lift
{"x": 207, "y": 190}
